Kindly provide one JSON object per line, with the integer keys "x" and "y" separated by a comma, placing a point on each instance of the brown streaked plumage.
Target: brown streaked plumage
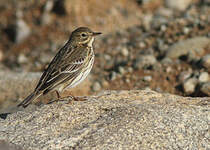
{"x": 69, "y": 67}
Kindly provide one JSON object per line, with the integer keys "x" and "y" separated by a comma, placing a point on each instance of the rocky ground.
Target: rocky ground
{"x": 160, "y": 45}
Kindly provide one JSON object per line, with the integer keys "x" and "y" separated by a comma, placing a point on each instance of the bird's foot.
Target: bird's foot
{"x": 80, "y": 98}
{"x": 69, "y": 99}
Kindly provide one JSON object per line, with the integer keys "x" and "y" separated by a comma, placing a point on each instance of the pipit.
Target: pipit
{"x": 69, "y": 67}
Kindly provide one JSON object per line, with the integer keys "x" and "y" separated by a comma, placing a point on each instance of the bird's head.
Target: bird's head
{"x": 83, "y": 35}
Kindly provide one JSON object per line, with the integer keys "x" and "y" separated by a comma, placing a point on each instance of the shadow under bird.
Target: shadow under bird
{"x": 69, "y": 67}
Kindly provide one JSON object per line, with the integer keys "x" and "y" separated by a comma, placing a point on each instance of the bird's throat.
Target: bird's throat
{"x": 90, "y": 43}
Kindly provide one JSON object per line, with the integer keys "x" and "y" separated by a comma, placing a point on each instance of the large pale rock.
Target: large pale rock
{"x": 114, "y": 120}
{"x": 178, "y": 4}
{"x": 14, "y": 87}
{"x": 194, "y": 48}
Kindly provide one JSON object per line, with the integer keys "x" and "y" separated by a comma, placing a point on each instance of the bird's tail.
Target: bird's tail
{"x": 29, "y": 99}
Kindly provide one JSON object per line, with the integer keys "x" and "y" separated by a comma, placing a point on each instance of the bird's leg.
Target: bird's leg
{"x": 58, "y": 98}
{"x": 58, "y": 94}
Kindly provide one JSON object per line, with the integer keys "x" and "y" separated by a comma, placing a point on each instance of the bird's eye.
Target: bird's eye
{"x": 84, "y": 34}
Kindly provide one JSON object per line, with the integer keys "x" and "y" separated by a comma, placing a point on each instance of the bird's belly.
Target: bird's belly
{"x": 81, "y": 76}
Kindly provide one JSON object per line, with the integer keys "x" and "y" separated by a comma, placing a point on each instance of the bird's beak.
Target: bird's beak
{"x": 96, "y": 33}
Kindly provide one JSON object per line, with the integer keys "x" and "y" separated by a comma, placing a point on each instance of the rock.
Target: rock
{"x": 107, "y": 57}
{"x": 205, "y": 60}
{"x": 157, "y": 21}
{"x": 178, "y": 4}
{"x": 186, "y": 30}
{"x": 193, "y": 48}
{"x": 46, "y": 16}
{"x": 161, "y": 46}
{"x": 147, "y": 78}
{"x": 121, "y": 70}
{"x": 205, "y": 88}
{"x": 127, "y": 80}
{"x": 124, "y": 52}
{"x": 203, "y": 77}
{"x": 22, "y": 59}
{"x": 166, "y": 12}
{"x": 113, "y": 75}
{"x": 22, "y": 30}
{"x": 130, "y": 69}
{"x": 115, "y": 120}
{"x": 105, "y": 83}
{"x": 169, "y": 69}
{"x": 144, "y": 61}
{"x": 146, "y": 22}
{"x": 96, "y": 86}
{"x": 166, "y": 61}
{"x": 16, "y": 87}
{"x": 189, "y": 85}
{"x": 184, "y": 75}
{"x": 142, "y": 45}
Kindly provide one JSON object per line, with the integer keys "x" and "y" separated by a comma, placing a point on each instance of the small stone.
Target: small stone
{"x": 147, "y": 18}
{"x": 169, "y": 69}
{"x": 121, "y": 70}
{"x": 22, "y": 30}
{"x": 184, "y": 75}
{"x": 203, "y": 77}
{"x": 142, "y": 45}
{"x": 166, "y": 12}
{"x": 163, "y": 28}
{"x": 205, "y": 88}
{"x": 105, "y": 83}
{"x": 145, "y": 61}
{"x": 96, "y": 86}
{"x": 46, "y": 16}
{"x": 22, "y": 59}
{"x": 161, "y": 45}
{"x": 205, "y": 60}
{"x": 166, "y": 61}
{"x": 107, "y": 57}
{"x": 190, "y": 85}
{"x": 130, "y": 69}
{"x": 127, "y": 80}
{"x": 124, "y": 51}
{"x": 113, "y": 75}
{"x": 186, "y": 30}
{"x": 147, "y": 78}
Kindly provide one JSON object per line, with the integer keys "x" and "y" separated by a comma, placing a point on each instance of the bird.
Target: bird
{"x": 70, "y": 66}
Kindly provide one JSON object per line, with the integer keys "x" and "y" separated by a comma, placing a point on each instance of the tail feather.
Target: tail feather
{"x": 29, "y": 99}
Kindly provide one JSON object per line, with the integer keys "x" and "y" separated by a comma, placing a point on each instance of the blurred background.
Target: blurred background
{"x": 163, "y": 45}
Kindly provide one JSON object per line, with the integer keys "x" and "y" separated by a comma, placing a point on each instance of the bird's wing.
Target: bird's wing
{"x": 67, "y": 63}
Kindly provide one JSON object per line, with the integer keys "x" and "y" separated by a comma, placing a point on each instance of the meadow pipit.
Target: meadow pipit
{"x": 69, "y": 67}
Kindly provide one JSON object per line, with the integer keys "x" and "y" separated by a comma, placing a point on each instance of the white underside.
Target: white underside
{"x": 81, "y": 77}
